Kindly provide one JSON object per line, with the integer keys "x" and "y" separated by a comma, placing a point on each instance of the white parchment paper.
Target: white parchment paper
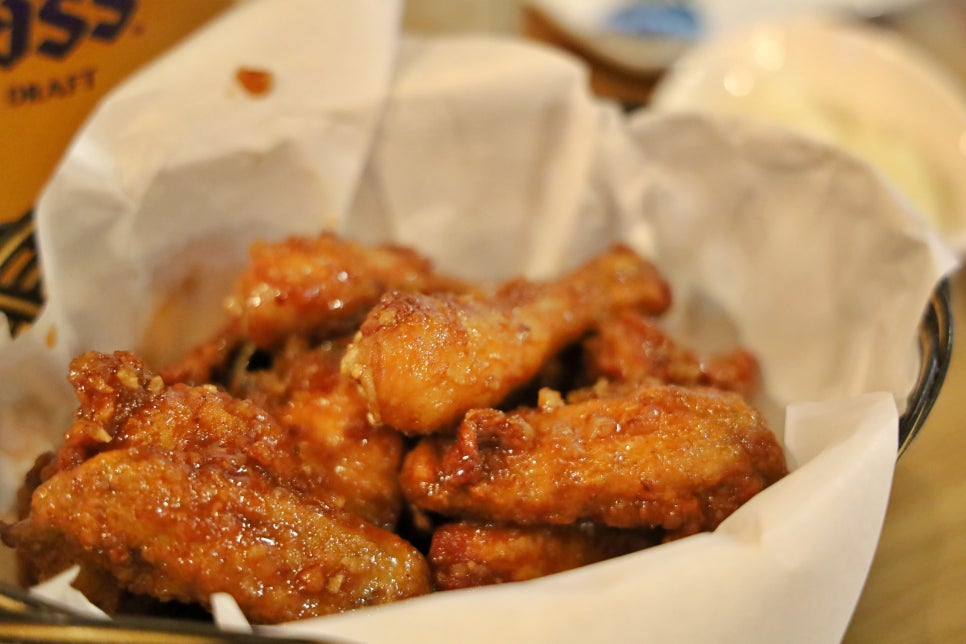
{"x": 491, "y": 157}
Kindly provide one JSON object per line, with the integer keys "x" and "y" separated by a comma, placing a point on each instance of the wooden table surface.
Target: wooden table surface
{"x": 916, "y": 590}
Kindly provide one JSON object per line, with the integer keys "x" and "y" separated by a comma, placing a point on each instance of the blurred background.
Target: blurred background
{"x": 915, "y": 588}
{"x": 937, "y": 26}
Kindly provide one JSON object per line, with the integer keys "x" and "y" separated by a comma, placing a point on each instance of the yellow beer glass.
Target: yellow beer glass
{"x": 57, "y": 59}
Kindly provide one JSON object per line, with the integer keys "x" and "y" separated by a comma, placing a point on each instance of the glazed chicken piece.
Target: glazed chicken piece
{"x": 632, "y": 347}
{"x": 124, "y": 405}
{"x": 212, "y": 360}
{"x": 177, "y": 492}
{"x": 423, "y": 360}
{"x": 180, "y": 527}
{"x": 317, "y": 287}
{"x": 668, "y": 457}
{"x": 313, "y": 287}
{"x": 327, "y": 420}
{"x": 472, "y": 553}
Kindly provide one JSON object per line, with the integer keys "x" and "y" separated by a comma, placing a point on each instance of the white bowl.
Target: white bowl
{"x": 848, "y": 84}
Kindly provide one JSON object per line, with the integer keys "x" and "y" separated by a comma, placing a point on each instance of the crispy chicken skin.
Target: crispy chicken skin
{"x": 124, "y": 405}
{"x": 205, "y": 362}
{"x": 662, "y": 456}
{"x": 177, "y": 492}
{"x": 317, "y": 288}
{"x": 464, "y": 554}
{"x": 632, "y": 347}
{"x": 182, "y": 526}
{"x": 425, "y": 360}
{"x": 327, "y": 419}
{"x": 323, "y": 285}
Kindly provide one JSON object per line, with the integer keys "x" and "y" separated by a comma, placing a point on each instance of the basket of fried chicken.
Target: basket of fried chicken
{"x": 427, "y": 342}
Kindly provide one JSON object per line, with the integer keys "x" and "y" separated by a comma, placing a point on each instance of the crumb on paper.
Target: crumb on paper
{"x": 50, "y": 340}
{"x": 256, "y": 82}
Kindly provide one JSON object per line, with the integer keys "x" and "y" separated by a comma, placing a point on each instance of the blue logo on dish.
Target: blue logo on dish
{"x": 673, "y": 19}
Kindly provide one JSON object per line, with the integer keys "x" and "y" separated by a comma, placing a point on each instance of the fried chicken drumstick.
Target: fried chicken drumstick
{"x": 178, "y": 492}
{"x": 662, "y": 456}
{"x": 423, "y": 361}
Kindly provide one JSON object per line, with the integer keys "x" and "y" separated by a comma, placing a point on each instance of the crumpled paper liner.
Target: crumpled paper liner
{"x": 490, "y": 156}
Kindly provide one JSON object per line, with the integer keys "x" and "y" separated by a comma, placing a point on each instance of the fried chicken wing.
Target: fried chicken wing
{"x": 123, "y": 404}
{"x": 207, "y": 362}
{"x": 676, "y": 458}
{"x": 182, "y": 526}
{"x": 178, "y": 491}
{"x": 425, "y": 360}
{"x": 322, "y": 285}
{"x": 327, "y": 420}
{"x": 464, "y": 554}
{"x": 631, "y": 347}
{"x": 315, "y": 288}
